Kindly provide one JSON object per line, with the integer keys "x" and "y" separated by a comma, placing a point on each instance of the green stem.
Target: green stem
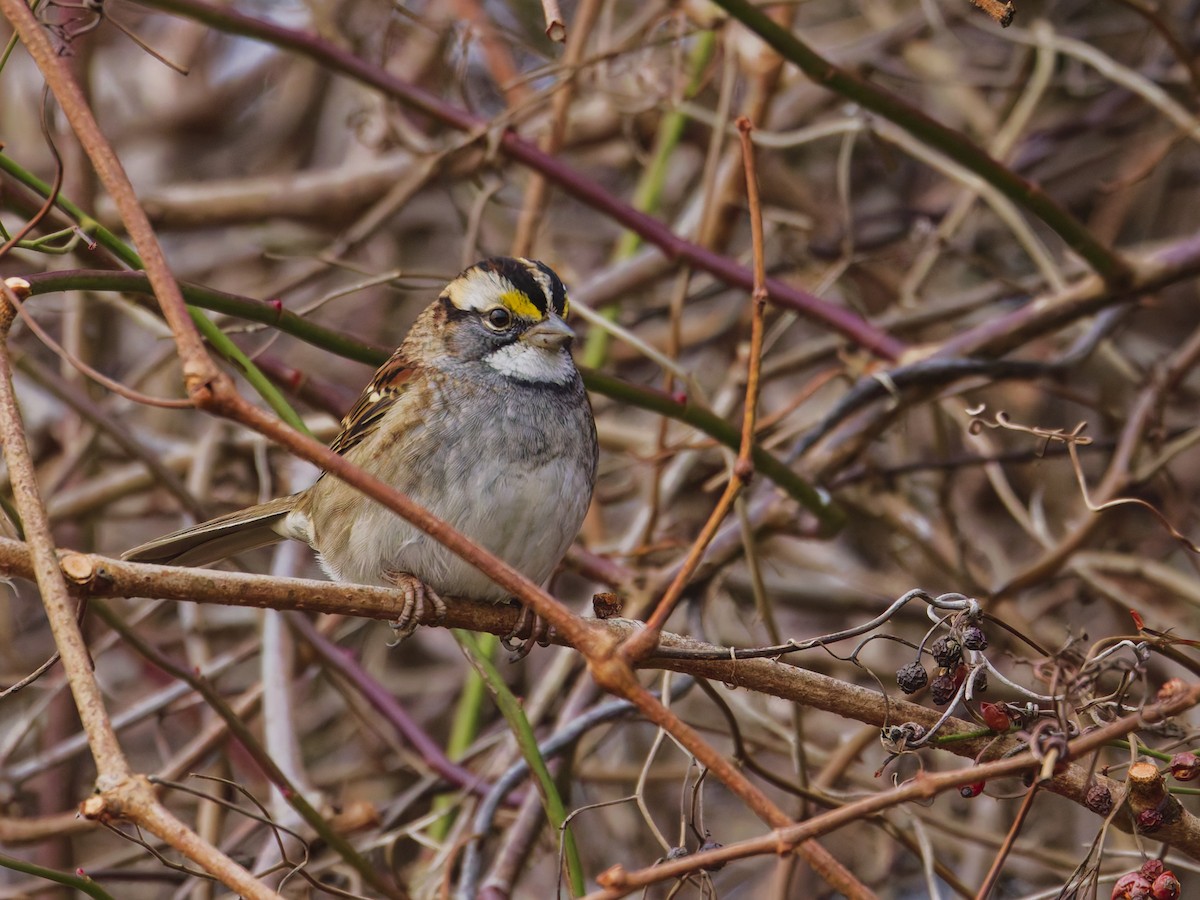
{"x": 468, "y": 714}
{"x": 253, "y": 375}
{"x": 510, "y": 708}
{"x": 264, "y": 312}
{"x": 86, "y": 223}
{"x": 80, "y": 882}
{"x": 125, "y": 254}
{"x": 670, "y": 130}
{"x": 470, "y": 703}
{"x": 814, "y": 500}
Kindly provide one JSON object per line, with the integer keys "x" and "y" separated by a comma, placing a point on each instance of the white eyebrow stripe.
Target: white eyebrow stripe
{"x": 470, "y": 292}
{"x": 543, "y": 281}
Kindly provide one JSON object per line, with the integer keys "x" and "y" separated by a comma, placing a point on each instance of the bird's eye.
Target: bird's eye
{"x": 499, "y": 318}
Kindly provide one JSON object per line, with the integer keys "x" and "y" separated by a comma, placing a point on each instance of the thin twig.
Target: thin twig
{"x": 121, "y": 794}
{"x": 615, "y": 673}
{"x": 582, "y": 29}
{"x": 1010, "y": 839}
{"x": 743, "y": 467}
{"x": 110, "y": 761}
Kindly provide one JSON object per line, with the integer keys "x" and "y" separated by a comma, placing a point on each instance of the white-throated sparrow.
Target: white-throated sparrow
{"x": 480, "y": 416}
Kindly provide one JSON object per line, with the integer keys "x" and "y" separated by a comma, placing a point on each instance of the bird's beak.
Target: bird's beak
{"x": 551, "y": 334}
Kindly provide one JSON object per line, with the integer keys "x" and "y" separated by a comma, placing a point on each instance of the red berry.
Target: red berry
{"x": 1149, "y": 820}
{"x": 1133, "y": 886}
{"x": 1166, "y": 887}
{"x": 1151, "y": 869}
{"x": 1185, "y": 766}
{"x": 995, "y": 716}
{"x": 972, "y": 790}
{"x": 960, "y": 675}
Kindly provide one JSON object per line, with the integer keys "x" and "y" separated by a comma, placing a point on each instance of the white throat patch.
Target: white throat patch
{"x": 526, "y": 363}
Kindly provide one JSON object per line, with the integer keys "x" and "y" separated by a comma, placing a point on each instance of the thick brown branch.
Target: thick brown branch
{"x": 99, "y": 576}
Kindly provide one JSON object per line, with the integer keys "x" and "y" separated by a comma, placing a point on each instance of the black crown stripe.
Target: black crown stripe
{"x": 558, "y": 290}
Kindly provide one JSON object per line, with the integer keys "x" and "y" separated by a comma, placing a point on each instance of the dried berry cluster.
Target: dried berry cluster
{"x": 1151, "y": 882}
{"x": 947, "y": 652}
{"x": 957, "y": 655}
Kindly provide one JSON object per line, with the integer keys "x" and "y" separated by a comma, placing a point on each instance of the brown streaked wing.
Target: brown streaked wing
{"x": 376, "y": 399}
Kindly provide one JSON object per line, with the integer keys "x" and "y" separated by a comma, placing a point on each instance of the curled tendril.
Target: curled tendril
{"x": 1073, "y": 439}
{"x": 896, "y": 739}
{"x": 1047, "y": 736}
{"x": 1000, "y": 420}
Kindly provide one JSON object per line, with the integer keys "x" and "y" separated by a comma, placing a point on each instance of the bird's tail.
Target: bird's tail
{"x": 218, "y": 538}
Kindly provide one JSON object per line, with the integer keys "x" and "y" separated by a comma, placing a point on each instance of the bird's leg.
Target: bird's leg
{"x": 530, "y": 629}
{"x": 416, "y": 595}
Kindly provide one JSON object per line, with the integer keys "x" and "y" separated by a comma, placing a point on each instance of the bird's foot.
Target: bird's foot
{"x": 530, "y": 629}
{"x": 416, "y": 595}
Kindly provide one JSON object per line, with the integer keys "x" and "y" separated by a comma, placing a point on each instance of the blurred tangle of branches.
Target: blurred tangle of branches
{"x": 968, "y": 352}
